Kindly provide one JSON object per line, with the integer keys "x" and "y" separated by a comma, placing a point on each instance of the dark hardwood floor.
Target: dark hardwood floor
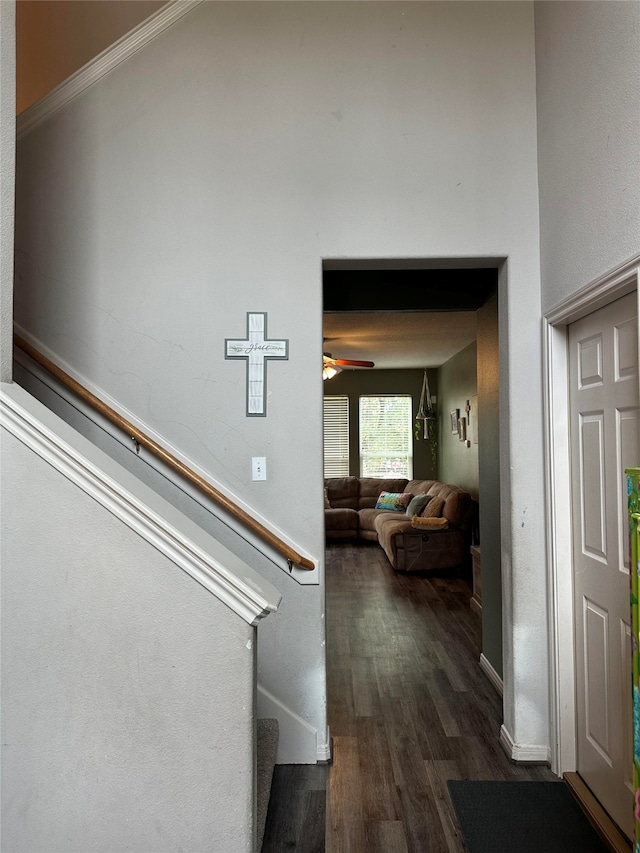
{"x": 409, "y": 708}
{"x": 297, "y": 809}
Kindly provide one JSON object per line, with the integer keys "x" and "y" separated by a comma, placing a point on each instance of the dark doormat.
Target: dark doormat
{"x": 522, "y": 817}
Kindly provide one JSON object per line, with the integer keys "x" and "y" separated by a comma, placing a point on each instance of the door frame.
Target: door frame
{"x": 618, "y": 282}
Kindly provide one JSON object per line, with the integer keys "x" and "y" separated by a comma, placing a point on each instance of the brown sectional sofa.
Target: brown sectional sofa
{"x": 352, "y": 515}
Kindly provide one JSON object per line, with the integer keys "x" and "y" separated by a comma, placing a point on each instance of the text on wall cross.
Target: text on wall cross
{"x": 256, "y": 349}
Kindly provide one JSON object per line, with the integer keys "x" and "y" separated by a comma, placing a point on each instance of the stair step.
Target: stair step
{"x": 267, "y": 747}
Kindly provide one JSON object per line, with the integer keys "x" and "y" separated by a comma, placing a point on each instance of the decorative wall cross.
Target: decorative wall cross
{"x": 256, "y": 350}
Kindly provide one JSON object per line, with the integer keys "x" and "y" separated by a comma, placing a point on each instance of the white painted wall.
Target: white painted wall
{"x": 123, "y": 725}
{"x": 588, "y": 93}
{"x": 588, "y": 85}
{"x": 7, "y": 182}
{"x": 210, "y": 174}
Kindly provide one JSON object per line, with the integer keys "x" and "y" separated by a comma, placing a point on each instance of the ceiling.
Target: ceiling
{"x": 399, "y": 339}
{"x": 402, "y": 315}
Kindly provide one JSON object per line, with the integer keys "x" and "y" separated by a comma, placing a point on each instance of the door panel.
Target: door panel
{"x": 590, "y": 361}
{"x": 626, "y": 350}
{"x": 596, "y": 674}
{"x": 594, "y": 503}
{"x": 604, "y": 413}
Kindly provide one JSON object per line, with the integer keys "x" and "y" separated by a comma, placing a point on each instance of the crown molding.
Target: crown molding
{"x": 102, "y": 64}
{"x": 614, "y": 284}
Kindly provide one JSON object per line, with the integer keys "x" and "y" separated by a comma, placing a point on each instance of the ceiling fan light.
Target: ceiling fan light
{"x": 330, "y": 370}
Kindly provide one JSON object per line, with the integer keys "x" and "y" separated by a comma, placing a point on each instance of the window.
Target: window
{"x": 336, "y": 436}
{"x": 386, "y": 436}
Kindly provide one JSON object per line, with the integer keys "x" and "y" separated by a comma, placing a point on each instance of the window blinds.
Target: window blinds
{"x": 336, "y": 436}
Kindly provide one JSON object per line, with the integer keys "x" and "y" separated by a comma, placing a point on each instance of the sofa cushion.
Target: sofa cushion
{"x": 421, "y": 487}
{"x": 342, "y": 491}
{"x": 341, "y": 523}
{"x": 370, "y": 488}
{"x": 367, "y": 518}
{"x": 387, "y": 525}
{"x": 394, "y": 501}
{"x": 457, "y": 504}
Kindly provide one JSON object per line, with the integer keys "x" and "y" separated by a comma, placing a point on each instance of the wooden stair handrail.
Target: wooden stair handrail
{"x": 144, "y": 440}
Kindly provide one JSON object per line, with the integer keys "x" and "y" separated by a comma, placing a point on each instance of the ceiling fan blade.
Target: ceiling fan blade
{"x": 349, "y": 362}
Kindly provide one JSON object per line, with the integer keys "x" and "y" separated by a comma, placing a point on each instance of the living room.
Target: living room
{"x": 402, "y": 638}
{"x": 439, "y": 318}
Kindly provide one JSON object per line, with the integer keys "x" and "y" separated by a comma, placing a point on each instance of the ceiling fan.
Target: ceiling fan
{"x": 331, "y": 366}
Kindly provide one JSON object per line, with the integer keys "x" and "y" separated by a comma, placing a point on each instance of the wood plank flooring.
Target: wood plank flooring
{"x": 297, "y": 809}
{"x": 409, "y": 706}
{"x": 408, "y": 709}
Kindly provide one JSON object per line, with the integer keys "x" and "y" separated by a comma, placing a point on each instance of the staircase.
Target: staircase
{"x": 129, "y": 643}
{"x": 267, "y": 728}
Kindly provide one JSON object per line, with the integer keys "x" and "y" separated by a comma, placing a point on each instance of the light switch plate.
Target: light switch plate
{"x": 259, "y": 467}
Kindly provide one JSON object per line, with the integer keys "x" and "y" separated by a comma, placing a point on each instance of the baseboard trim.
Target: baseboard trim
{"x": 491, "y": 674}
{"x": 606, "y": 828}
{"x": 298, "y": 740}
{"x": 325, "y": 750}
{"x": 522, "y": 753}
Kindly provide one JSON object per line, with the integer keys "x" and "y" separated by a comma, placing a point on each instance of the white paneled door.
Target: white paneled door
{"x": 605, "y": 428}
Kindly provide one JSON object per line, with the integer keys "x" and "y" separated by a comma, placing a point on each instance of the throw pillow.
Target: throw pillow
{"x": 417, "y": 504}
{"x": 327, "y": 505}
{"x": 395, "y": 501}
{"x": 434, "y": 508}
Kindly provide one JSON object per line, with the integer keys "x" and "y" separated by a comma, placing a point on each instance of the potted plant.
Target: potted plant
{"x": 425, "y": 422}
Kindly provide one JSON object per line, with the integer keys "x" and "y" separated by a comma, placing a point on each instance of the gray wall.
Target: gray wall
{"x": 123, "y": 725}
{"x": 7, "y": 181}
{"x": 458, "y": 383}
{"x": 476, "y": 370}
{"x": 489, "y": 473}
{"x": 211, "y": 173}
{"x": 588, "y": 93}
{"x": 353, "y": 383}
{"x": 588, "y": 104}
